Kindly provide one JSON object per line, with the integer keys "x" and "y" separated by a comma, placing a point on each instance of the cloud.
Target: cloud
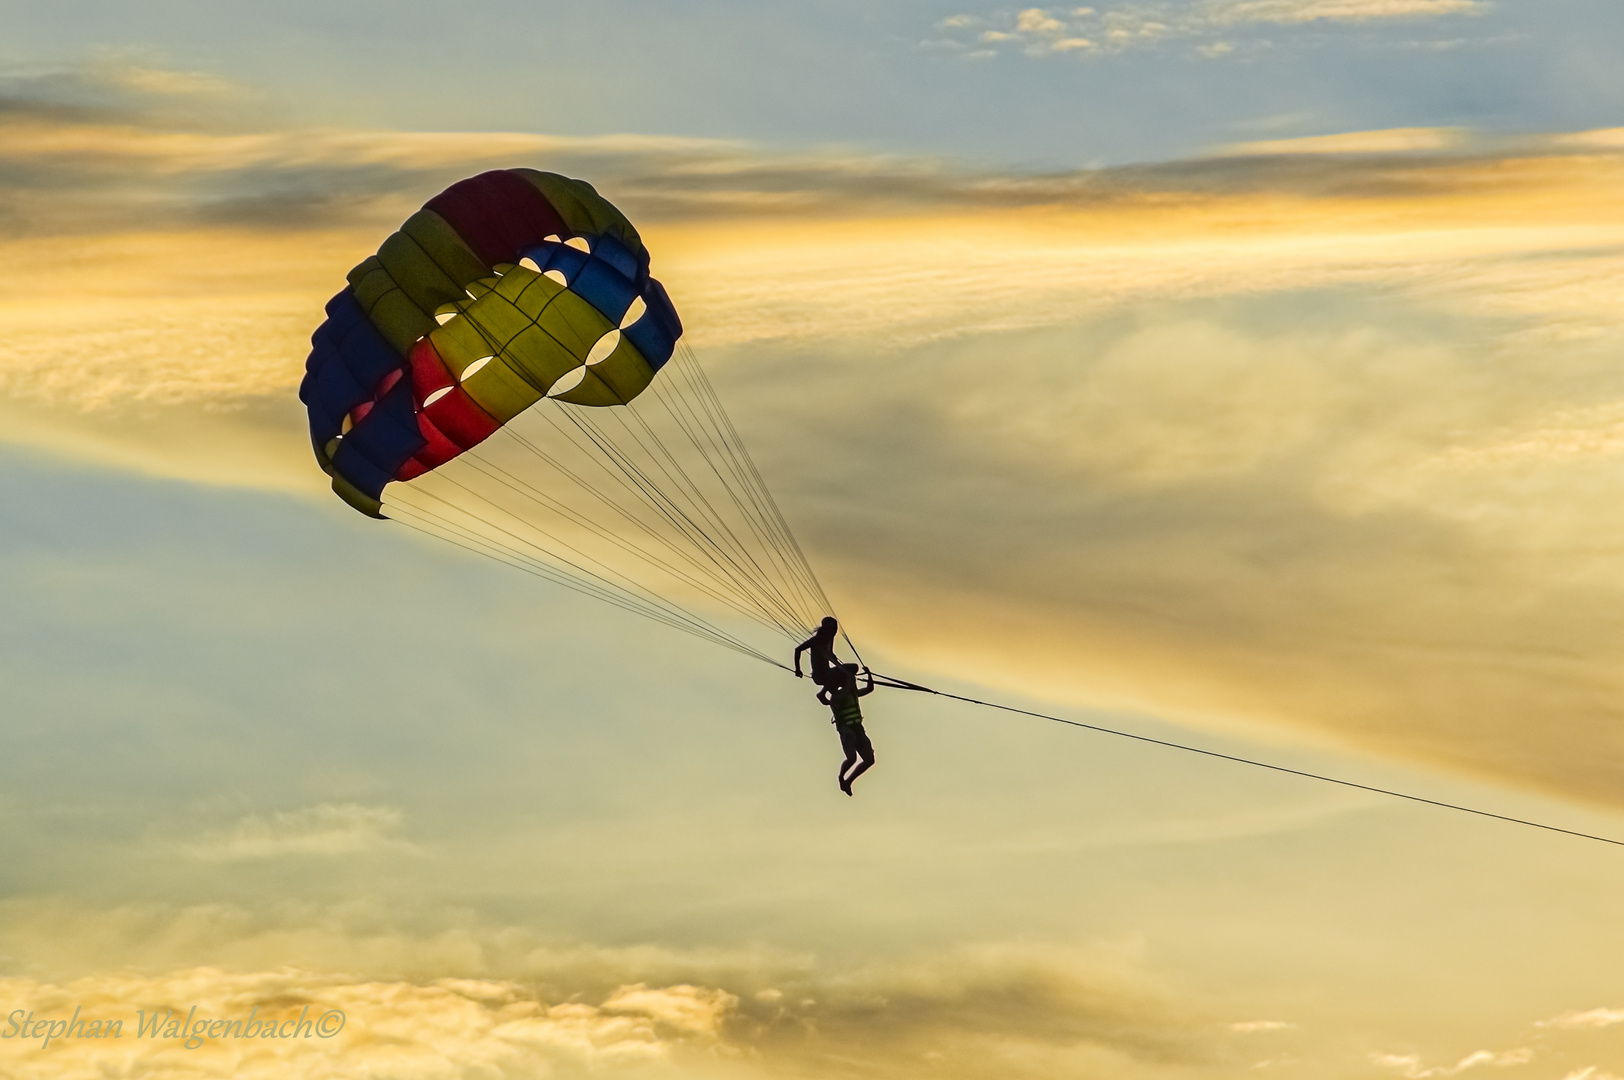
{"x": 1587, "y": 1019}
{"x": 329, "y": 829}
{"x": 511, "y": 1005}
{"x": 1263, "y": 439}
{"x": 1037, "y": 21}
{"x": 1300, "y": 11}
{"x": 1043, "y": 32}
{"x": 111, "y": 87}
{"x": 1391, "y": 141}
{"x": 508, "y": 1002}
{"x": 1409, "y": 1065}
{"x": 443, "y": 1028}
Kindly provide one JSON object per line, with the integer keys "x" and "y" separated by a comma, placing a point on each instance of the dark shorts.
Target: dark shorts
{"x": 854, "y": 740}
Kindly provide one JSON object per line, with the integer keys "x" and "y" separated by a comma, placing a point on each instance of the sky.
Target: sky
{"x": 1239, "y": 373}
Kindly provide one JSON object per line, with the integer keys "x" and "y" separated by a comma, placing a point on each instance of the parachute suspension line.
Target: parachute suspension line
{"x": 785, "y": 547}
{"x": 725, "y": 569}
{"x": 724, "y": 423}
{"x": 443, "y": 529}
{"x": 689, "y": 367}
{"x": 540, "y": 498}
{"x": 433, "y": 524}
{"x": 731, "y": 558}
{"x": 762, "y": 514}
{"x": 618, "y": 477}
{"x": 655, "y": 506}
{"x": 738, "y": 563}
{"x": 584, "y": 582}
{"x": 672, "y": 549}
{"x": 666, "y": 396}
{"x": 902, "y": 684}
{"x": 634, "y": 480}
{"x": 734, "y": 456}
{"x": 624, "y": 586}
{"x": 853, "y": 647}
{"x": 770, "y": 594}
{"x": 575, "y": 586}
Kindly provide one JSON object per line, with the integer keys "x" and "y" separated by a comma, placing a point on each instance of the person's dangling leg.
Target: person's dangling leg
{"x": 858, "y": 750}
{"x": 853, "y": 756}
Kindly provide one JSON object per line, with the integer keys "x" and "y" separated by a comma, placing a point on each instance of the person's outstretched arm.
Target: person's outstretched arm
{"x": 869, "y": 688}
{"x": 799, "y": 649}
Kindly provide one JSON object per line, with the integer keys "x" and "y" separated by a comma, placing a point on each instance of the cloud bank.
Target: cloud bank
{"x": 1317, "y": 436}
{"x": 509, "y": 1005}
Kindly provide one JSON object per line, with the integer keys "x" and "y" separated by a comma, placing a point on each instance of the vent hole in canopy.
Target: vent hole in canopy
{"x": 436, "y": 396}
{"x": 579, "y": 244}
{"x": 604, "y": 346}
{"x": 474, "y": 368}
{"x": 558, "y": 276}
{"x": 634, "y": 312}
{"x": 568, "y": 381}
{"x": 530, "y": 264}
{"x": 444, "y": 317}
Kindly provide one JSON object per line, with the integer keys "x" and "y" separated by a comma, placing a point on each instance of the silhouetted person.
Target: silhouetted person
{"x": 841, "y": 694}
{"x": 822, "y": 647}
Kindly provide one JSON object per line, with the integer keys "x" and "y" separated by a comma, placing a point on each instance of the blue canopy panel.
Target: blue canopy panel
{"x": 617, "y": 255}
{"x": 593, "y": 279}
{"x": 347, "y": 360}
{"x": 380, "y": 443}
{"x": 655, "y": 334}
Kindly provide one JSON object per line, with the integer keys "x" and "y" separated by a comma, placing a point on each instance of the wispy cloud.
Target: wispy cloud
{"x": 1390, "y": 141}
{"x": 1586, "y": 1019}
{"x": 1300, "y": 11}
{"x": 1409, "y": 1065}
{"x": 1082, "y": 31}
{"x": 329, "y": 829}
{"x": 1252, "y": 1027}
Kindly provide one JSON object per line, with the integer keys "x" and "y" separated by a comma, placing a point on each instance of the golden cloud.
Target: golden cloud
{"x": 504, "y": 1002}
{"x": 1043, "y": 31}
{"x": 1295, "y": 11}
{"x": 512, "y": 1006}
{"x": 1315, "y": 440}
{"x": 1392, "y": 140}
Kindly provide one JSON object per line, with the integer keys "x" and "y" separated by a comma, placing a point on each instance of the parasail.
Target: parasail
{"x": 506, "y": 375}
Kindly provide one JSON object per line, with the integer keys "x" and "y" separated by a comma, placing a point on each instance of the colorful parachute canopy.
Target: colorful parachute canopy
{"x": 464, "y": 368}
{"x": 505, "y": 288}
